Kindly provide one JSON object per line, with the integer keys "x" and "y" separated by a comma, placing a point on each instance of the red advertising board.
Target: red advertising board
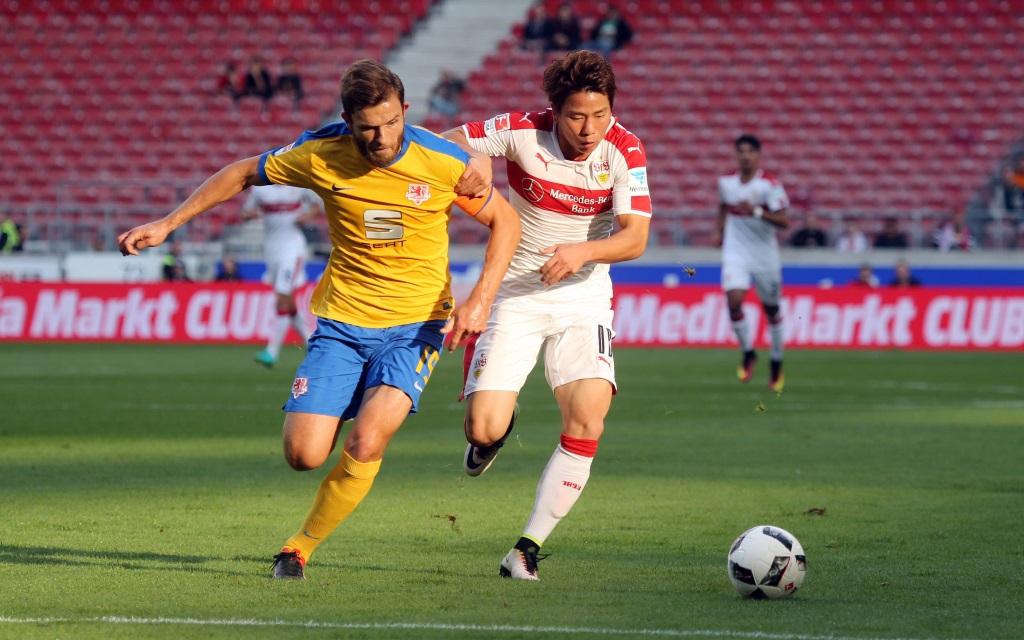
{"x": 923, "y": 318}
{"x": 64, "y": 312}
{"x": 848, "y": 317}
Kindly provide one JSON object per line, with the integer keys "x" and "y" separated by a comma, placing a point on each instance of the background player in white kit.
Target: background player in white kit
{"x": 573, "y": 172}
{"x": 753, "y": 205}
{"x": 285, "y": 210}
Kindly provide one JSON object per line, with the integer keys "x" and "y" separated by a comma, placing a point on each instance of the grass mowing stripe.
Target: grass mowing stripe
{"x": 313, "y": 624}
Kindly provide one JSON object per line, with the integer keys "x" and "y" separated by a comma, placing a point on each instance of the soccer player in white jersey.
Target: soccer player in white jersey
{"x": 574, "y": 171}
{"x": 753, "y": 205}
{"x": 285, "y": 210}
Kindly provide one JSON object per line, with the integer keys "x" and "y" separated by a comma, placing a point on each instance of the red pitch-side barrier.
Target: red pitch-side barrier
{"x": 849, "y": 317}
{"x": 925, "y": 318}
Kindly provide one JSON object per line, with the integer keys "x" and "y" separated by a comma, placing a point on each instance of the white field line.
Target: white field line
{"x": 426, "y": 626}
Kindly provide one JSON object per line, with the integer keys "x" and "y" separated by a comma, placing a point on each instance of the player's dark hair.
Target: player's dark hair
{"x": 750, "y": 139}
{"x": 368, "y": 83}
{"x": 578, "y": 71}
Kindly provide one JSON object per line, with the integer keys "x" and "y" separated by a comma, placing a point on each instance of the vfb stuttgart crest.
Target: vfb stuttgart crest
{"x": 418, "y": 193}
{"x": 299, "y": 387}
{"x": 601, "y": 170}
{"x": 479, "y": 364}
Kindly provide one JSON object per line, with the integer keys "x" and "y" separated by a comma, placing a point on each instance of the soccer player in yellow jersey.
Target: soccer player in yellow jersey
{"x": 384, "y": 304}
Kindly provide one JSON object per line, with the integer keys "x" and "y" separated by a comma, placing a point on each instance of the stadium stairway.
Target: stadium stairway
{"x": 455, "y": 36}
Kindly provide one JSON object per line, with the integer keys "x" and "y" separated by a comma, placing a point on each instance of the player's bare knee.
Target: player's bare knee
{"x": 480, "y": 432}
{"x": 771, "y": 311}
{"x": 303, "y": 460}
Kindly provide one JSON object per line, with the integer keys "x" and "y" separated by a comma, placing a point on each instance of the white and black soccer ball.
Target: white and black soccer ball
{"x": 767, "y": 562}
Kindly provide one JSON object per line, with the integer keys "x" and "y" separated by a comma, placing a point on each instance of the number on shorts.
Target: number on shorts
{"x": 604, "y": 341}
{"x": 430, "y": 357}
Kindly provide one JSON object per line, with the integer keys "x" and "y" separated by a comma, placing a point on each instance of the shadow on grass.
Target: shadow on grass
{"x": 141, "y": 560}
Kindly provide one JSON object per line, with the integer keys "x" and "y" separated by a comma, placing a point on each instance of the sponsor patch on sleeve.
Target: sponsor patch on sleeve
{"x": 284, "y": 149}
{"x": 497, "y": 123}
{"x": 638, "y": 182}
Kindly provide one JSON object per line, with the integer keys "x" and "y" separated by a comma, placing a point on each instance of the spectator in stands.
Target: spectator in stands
{"x": 289, "y": 83}
{"x": 890, "y": 237}
{"x": 446, "y": 96}
{"x": 1013, "y": 198}
{"x": 810, "y": 235}
{"x": 611, "y": 32}
{"x": 537, "y": 30}
{"x": 228, "y": 271}
{"x": 953, "y": 235}
{"x": 903, "y": 278}
{"x": 852, "y": 239}
{"x": 174, "y": 266}
{"x": 865, "y": 277}
{"x": 10, "y": 237}
{"x": 230, "y": 83}
{"x": 564, "y": 34}
{"x": 257, "y": 81}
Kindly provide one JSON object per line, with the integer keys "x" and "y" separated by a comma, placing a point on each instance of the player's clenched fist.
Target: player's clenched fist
{"x": 147, "y": 235}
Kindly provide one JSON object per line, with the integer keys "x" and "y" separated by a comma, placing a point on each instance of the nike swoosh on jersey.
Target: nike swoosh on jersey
{"x": 335, "y": 187}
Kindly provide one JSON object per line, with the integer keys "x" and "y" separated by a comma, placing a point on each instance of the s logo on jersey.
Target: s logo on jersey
{"x": 299, "y": 387}
{"x": 532, "y": 190}
{"x": 601, "y": 169}
{"x": 418, "y": 193}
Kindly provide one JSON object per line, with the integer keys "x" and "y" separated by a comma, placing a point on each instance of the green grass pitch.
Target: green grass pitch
{"x": 143, "y": 492}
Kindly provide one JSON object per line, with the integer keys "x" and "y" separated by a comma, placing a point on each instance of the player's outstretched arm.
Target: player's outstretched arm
{"x": 471, "y": 316}
{"x": 628, "y": 243}
{"x": 476, "y": 180}
{"x": 220, "y": 187}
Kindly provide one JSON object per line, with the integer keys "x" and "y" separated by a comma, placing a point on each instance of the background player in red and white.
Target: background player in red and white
{"x": 753, "y": 205}
{"x": 573, "y": 173}
{"x": 285, "y": 210}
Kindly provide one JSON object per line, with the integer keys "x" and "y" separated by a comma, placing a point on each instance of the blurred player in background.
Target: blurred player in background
{"x": 573, "y": 172}
{"x": 753, "y": 205}
{"x": 285, "y": 210}
{"x": 384, "y": 303}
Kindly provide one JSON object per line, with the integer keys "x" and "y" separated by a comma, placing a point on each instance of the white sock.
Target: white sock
{"x": 775, "y": 332}
{"x": 299, "y": 324}
{"x": 560, "y": 486}
{"x": 277, "y": 333}
{"x": 742, "y": 331}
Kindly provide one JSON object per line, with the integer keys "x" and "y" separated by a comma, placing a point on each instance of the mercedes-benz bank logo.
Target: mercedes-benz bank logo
{"x": 532, "y": 190}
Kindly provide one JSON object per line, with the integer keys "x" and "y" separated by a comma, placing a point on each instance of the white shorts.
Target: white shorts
{"x": 577, "y": 343}
{"x": 286, "y": 274}
{"x": 767, "y": 284}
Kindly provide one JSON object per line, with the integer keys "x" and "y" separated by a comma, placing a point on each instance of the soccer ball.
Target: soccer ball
{"x": 767, "y": 562}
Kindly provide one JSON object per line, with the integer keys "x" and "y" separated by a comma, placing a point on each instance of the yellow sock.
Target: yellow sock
{"x": 339, "y": 494}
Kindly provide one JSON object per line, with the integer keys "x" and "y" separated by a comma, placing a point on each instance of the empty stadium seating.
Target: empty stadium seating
{"x": 109, "y": 102}
{"x": 864, "y": 108}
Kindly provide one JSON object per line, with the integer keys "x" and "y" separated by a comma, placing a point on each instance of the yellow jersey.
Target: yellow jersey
{"x": 388, "y": 226}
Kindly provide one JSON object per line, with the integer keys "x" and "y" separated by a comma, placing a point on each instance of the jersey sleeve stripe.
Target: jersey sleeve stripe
{"x": 261, "y": 168}
{"x": 436, "y": 143}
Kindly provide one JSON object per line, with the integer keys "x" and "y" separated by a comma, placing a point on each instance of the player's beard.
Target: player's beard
{"x": 381, "y": 157}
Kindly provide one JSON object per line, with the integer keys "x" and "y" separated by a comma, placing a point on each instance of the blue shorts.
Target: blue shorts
{"x": 344, "y": 360}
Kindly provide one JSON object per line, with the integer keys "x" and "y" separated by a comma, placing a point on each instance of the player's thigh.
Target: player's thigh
{"x": 581, "y": 348}
{"x": 309, "y": 438}
{"x": 735, "y": 280}
{"x": 382, "y": 413}
{"x": 768, "y": 285}
{"x": 584, "y": 405}
{"x": 404, "y": 358}
{"x": 507, "y": 350}
{"x": 287, "y": 273}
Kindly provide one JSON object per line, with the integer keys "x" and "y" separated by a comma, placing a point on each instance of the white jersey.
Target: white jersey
{"x": 281, "y": 206}
{"x": 748, "y": 241}
{"x": 561, "y": 201}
